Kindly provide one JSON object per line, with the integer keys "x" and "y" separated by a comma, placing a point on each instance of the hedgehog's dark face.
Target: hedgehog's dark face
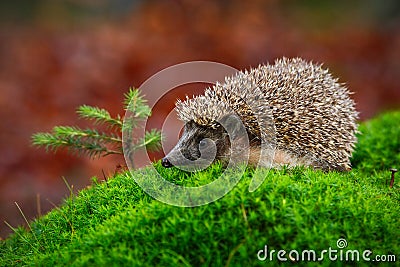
{"x": 199, "y": 146}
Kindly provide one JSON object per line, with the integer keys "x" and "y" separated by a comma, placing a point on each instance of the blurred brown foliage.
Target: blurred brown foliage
{"x": 56, "y": 59}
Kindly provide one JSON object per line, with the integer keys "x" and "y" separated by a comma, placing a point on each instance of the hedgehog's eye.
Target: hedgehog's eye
{"x": 203, "y": 143}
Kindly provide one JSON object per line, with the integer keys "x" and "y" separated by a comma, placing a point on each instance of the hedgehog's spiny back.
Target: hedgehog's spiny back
{"x": 313, "y": 114}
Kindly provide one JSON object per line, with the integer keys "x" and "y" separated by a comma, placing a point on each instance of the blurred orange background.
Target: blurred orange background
{"x": 57, "y": 55}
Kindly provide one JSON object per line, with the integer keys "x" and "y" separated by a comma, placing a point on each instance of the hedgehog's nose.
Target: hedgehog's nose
{"x": 166, "y": 163}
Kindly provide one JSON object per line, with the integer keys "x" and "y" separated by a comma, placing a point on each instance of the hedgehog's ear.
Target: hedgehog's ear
{"x": 233, "y": 125}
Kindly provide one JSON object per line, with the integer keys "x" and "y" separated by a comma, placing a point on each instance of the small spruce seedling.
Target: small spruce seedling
{"x": 95, "y": 143}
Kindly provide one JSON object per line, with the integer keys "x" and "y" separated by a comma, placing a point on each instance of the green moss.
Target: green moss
{"x": 378, "y": 146}
{"x": 115, "y": 223}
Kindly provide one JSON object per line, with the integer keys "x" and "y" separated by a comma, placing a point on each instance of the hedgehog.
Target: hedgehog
{"x": 292, "y": 113}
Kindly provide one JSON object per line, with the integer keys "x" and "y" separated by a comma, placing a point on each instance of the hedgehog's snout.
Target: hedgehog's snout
{"x": 166, "y": 163}
{"x": 196, "y": 149}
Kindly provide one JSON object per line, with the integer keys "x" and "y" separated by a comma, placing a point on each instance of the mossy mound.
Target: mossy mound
{"x": 114, "y": 223}
{"x": 378, "y": 146}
